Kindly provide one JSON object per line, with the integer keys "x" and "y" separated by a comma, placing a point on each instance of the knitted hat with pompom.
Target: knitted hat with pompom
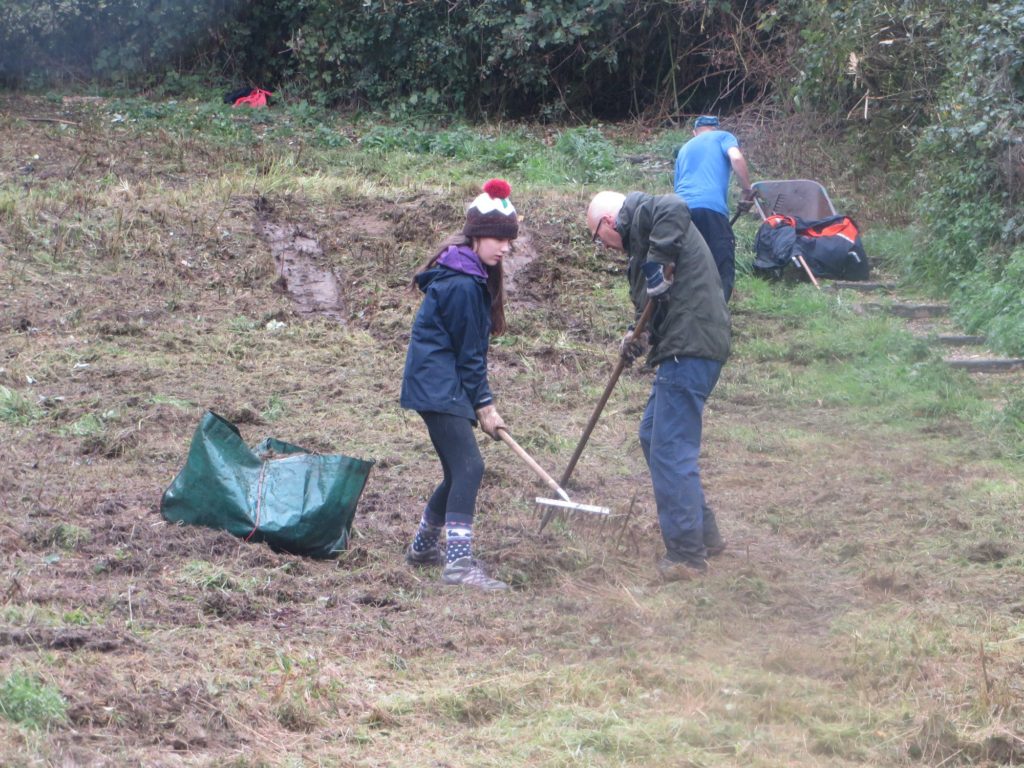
{"x": 491, "y": 214}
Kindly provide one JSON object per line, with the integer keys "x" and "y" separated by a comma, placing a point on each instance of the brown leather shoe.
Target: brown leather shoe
{"x": 670, "y": 570}
{"x": 714, "y": 550}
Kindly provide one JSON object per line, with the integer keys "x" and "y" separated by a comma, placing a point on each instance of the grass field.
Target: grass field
{"x": 868, "y": 611}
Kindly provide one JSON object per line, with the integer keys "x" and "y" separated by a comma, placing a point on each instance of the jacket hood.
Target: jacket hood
{"x": 463, "y": 259}
{"x": 455, "y": 259}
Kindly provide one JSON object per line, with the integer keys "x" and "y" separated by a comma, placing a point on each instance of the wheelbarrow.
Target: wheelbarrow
{"x": 827, "y": 244}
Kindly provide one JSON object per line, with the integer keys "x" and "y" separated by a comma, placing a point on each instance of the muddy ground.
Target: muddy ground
{"x": 867, "y": 611}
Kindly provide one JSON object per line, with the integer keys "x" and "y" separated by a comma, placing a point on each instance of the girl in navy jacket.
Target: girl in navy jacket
{"x": 445, "y": 377}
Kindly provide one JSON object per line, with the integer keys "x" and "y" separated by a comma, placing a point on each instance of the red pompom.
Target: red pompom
{"x": 499, "y": 189}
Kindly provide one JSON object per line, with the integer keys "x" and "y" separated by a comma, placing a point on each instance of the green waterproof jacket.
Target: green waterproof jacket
{"x": 694, "y": 320}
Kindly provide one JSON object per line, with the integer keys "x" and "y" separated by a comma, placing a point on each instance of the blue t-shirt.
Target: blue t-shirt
{"x": 703, "y": 168}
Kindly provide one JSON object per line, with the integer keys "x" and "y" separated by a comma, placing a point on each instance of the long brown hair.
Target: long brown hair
{"x": 495, "y": 280}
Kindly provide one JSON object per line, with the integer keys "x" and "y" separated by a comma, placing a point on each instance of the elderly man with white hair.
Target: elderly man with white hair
{"x": 689, "y": 338}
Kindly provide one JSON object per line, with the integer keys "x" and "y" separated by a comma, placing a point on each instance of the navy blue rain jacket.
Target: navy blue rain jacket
{"x": 446, "y": 365}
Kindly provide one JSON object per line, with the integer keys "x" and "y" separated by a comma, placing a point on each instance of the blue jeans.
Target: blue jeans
{"x": 670, "y": 433}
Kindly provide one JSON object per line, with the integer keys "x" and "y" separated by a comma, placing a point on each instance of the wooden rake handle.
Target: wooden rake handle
{"x": 641, "y": 324}
{"x": 803, "y": 263}
{"x": 522, "y": 454}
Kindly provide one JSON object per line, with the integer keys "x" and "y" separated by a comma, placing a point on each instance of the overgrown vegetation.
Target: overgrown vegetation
{"x": 973, "y": 198}
{"x": 553, "y": 60}
{"x": 16, "y": 408}
{"x": 122, "y": 39}
{"x": 941, "y": 85}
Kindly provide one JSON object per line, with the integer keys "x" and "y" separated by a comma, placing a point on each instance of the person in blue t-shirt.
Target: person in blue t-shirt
{"x": 703, "y": 167}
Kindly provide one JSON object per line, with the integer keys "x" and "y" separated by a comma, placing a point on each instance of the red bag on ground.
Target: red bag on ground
{"x": 257, "y": 98}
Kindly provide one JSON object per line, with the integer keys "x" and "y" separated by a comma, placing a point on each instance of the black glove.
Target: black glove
{"x": 658, "y": 284}
{"x": 633, "y": 346}
{"x": 746, "y": 202}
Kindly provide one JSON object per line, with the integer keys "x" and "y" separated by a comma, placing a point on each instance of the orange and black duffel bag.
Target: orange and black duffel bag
{"x": 831, "y": 247}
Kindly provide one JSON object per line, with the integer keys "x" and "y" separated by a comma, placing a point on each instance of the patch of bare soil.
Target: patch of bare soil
{"x": 300, "y": 271}
{"x": 524, "y": 253}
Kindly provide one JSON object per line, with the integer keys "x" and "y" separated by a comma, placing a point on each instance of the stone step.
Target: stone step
{"x": 954, "y": 340}
{"x": 865, "y": 286}
{"x": 918, "y": 311}
{"x": 987, "y": 365}
{"x": 910, "y": 311}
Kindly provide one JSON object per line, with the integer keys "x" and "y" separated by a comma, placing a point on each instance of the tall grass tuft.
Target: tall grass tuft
{"x": 587, "y": 152}
{"x": 17, "y": 409}
{"x": 989, "y": 301}
{"x": 25, "y": 699}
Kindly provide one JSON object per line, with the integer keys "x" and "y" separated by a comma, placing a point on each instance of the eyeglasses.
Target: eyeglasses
{"x": 597, "y": 232}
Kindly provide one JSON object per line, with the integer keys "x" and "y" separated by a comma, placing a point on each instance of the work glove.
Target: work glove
{"x": 658, "y": 283}
{"x": 490, "y": 421}
{"x": 746, "y": 202}
{"x": 633, "y": 346}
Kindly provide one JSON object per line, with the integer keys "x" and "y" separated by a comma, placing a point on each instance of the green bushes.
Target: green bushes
{"x": 112, "y": 39}
{"x": 935, "y": 92}
{"x": 549, "y": 60}
{"x": 972, "y": 154}
{"x": 971, "y": 158}
{"x": 553, "y": 60}
{"x": 875, "y": 62}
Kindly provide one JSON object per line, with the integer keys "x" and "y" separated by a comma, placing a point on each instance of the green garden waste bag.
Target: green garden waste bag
{"x": 294, "y": 500}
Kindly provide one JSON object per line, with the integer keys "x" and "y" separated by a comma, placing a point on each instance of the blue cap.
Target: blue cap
{"x": 706, "y": 121}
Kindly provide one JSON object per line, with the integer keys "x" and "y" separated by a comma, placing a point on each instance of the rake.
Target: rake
{"x": 563, "y": 502}
{"x": 641, "y": 324}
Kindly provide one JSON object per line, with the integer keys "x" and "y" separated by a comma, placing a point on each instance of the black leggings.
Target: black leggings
{"x": 454, "y": 500}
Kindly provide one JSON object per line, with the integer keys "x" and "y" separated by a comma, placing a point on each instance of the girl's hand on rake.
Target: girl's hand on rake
{"x": 490, "y": 421}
